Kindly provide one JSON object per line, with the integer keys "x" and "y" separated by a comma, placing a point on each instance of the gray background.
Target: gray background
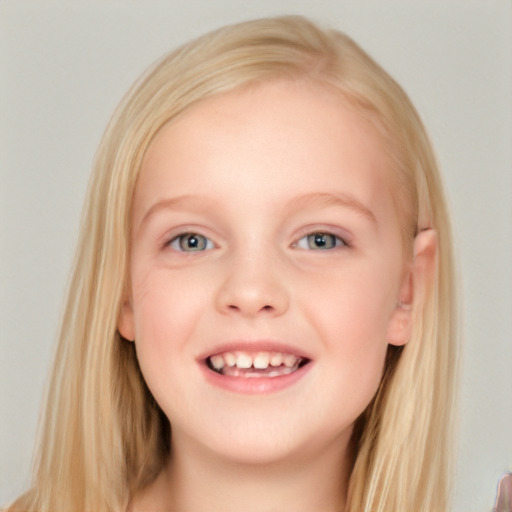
{"x": 64, "y": 65}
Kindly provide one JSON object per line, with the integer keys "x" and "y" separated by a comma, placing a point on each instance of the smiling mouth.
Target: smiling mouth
{"x": 255, "y": 364}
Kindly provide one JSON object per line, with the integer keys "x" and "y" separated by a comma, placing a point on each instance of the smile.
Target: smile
{"x": 255, "y": 364}
{"x": 255, "y": 367}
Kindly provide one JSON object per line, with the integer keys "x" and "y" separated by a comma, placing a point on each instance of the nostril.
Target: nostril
{"x": 233, "y": 307}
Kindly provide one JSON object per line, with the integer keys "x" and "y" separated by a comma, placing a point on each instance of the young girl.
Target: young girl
{"x": 261, "y": 315}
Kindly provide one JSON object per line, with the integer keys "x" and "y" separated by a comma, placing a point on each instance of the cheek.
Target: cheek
{"x": 164, "y": 303}
{"x": 166, "y": 310}
{"x": 354, "y": 304}
{"x": 351, "y": 314}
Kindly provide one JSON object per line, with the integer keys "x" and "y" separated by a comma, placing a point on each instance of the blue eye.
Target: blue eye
{"x": 320, "y": 241}
{"x": 191, "y": 242}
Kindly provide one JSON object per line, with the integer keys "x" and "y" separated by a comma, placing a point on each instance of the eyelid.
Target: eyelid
{"x": 340, "y": 234}
{"x": 338, "y": 242}
{"x": 176, "y": 243}
{"x": 175, "y": 234}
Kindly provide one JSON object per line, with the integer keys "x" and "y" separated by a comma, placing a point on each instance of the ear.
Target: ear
{"x": 126, "y": 322}
{"x": 417, "y": 280}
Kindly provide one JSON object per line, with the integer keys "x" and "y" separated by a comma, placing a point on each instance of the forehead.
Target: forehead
{"x": 291, "y": 136}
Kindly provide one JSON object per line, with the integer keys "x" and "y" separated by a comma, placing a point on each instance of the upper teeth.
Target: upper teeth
{"x": 258, "y": 360}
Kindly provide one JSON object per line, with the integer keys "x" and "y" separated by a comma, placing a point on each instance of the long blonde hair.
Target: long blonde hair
{"x": 103, "y": 436}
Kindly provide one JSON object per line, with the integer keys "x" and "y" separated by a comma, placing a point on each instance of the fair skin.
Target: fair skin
{"x": 264, "y": 228}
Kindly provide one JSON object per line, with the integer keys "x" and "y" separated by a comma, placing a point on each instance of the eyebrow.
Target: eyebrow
{"x": 313, "y": 199}
{"x": 173, "y": 202}
{"x": 335, "y": 199}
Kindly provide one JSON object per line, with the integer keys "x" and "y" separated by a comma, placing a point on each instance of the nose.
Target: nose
{"x": 253, "y": 285}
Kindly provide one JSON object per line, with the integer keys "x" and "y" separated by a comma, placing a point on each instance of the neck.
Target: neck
{"x": 203, "y": 481}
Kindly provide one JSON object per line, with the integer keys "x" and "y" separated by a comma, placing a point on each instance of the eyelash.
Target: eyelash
{"x": 197, "y": 242}
{"x": 324, "y": 241}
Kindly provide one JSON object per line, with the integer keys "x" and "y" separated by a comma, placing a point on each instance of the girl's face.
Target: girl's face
{"x": 266, "y": 272}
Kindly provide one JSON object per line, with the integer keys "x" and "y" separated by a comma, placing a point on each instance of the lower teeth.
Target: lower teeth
{"x": 254, "y": 373}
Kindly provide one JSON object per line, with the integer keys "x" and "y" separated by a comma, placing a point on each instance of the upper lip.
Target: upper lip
{"x": 254, "y": 346}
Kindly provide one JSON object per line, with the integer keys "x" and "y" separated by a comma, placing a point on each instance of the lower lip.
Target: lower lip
{"x": 255, "y": 385}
